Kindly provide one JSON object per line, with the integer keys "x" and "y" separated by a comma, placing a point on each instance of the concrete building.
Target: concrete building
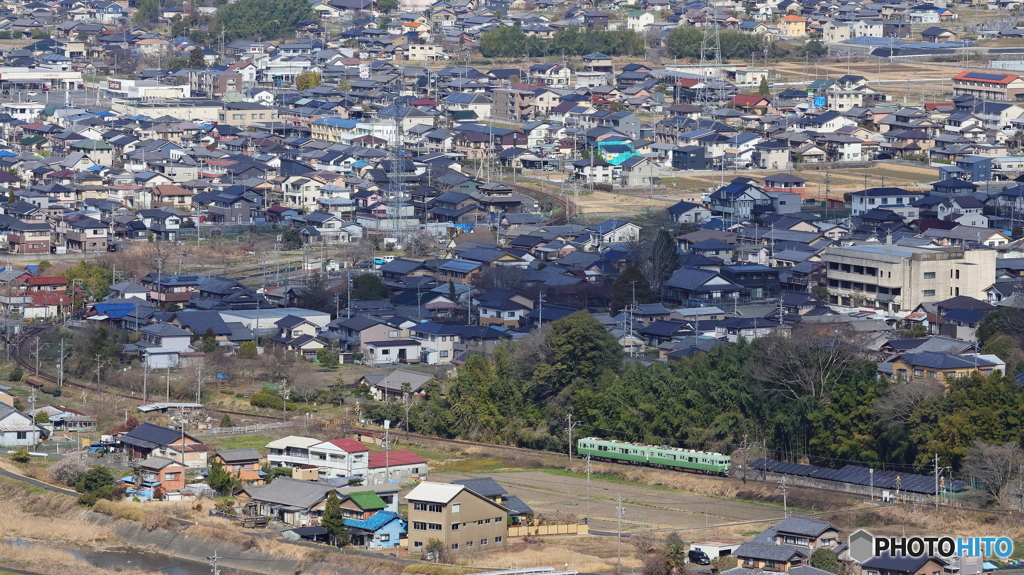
{"x": 458, "y": 517}
{"x": 900, "y": 278}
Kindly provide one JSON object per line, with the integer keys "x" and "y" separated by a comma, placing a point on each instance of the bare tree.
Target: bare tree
{"x": 531, "y": 351}
{"x": 896, "y": 406}
{"x": 643, "y": 542}
{"x": 997, "y": 466}
{"x": 808, "y": 363}
{"x": 501, "y": 277}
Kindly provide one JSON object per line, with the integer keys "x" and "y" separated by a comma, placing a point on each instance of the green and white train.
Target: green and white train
{"x": 654, "y": 456}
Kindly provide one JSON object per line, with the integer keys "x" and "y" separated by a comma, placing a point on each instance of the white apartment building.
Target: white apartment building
{"x": 900, "y": 278}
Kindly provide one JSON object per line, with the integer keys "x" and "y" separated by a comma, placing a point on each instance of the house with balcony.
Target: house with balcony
{"x": 85, "y": 235}
{"x": 28, "y": 237}
{"x": 339, "y": 458}
{"x": 299, "y": 335}
{"x": 165, "y": 289}
{"x": 291, "y": 451}
{"x": 161, "y": 345}
{"x": 437, "y": 341}
{"x": 550, "y": 75}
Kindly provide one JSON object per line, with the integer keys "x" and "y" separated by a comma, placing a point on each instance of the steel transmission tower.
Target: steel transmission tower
{"x": 710, "y": 69}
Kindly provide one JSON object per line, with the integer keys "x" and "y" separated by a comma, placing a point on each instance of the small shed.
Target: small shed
{"x": 315, "y": 534}
{"x": 717, "y": 547}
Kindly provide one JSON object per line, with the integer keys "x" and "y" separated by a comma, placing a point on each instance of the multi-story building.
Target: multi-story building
{"x": 455, "y": 515}
{"x": 551, "y": 75}
{"x": 890, "y": 198}
{"x": 989, "y": 86}
{"x": 214, "y": 83}
{"x": 900, "y": 278}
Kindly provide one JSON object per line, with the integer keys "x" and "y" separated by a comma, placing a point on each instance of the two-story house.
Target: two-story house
{"x": 243, "y": 463}
{"x": 339, "y": 458}
{"x": 291, "y": 451}
{"x": 461, "y": 519}
{"x": 437, "y": 341}
{"x": 161, "y": 345}
{"x": 86, "y": 235}
{"x": 299, "y": 335}
{"x": 163, "y": 224}
{"x": 148, "y": 440}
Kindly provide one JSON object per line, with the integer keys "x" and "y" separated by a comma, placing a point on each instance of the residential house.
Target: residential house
{"x": 243, "y": 463}
{"x": 397, "y": 466}
{"x": 18, "y": 429}
{"x": 147, "y": 440}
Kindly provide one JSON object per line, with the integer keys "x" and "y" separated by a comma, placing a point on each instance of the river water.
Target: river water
{"x": 129, "y": 558}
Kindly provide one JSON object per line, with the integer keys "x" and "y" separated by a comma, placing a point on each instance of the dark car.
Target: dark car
{"x": 698, "y": 557}
{"x": 364, "y": 265}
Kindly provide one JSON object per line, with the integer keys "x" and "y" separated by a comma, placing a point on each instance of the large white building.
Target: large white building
{"x": 900, "y": 278}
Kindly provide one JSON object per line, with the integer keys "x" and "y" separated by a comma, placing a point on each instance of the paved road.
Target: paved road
{"x": 37, "y": 483}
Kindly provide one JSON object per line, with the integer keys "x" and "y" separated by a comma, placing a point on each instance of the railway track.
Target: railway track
{"x": 47, "y": 378}
{"x": 569, "y": 209}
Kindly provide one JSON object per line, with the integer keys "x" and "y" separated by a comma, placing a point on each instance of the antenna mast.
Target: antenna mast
{"x": 710, "y": 67}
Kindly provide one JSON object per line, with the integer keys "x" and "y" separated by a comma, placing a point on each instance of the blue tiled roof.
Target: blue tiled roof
{"x": 375, "y": 522}
{"x": 114, "y": 310}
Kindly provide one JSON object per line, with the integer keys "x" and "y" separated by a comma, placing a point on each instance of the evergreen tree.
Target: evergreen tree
{"x": 764, "y": 90}
{"x": 368, "y": 287}
{"x": 581, "y": 351}
{"x": 622, "y": 289}
{"x": 333, "y": 521}
{"x": 247, "y": 350}
{"x": 226, "y": 421}
{"x": 221, "y": 480}
{"x": 196, "y": 59}
{"x": 663, "y": 261}
{"x": 208, "y": 343}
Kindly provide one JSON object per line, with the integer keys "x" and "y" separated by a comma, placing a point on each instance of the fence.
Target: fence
{"x": 244, "y": 430}
{"x": 558, "y": 529}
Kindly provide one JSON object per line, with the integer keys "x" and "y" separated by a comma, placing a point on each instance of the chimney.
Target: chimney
{"x": 888, "y": 238}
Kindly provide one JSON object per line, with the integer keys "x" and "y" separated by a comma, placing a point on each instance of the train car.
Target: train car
{"x": 660, "y": 456}
{"x": 673, "y": 457}
{"x": 612, "y": 450}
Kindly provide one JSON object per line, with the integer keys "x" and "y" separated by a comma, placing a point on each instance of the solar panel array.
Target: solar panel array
{"x": 883, "y": 479}
{"x": 980, "y": 76}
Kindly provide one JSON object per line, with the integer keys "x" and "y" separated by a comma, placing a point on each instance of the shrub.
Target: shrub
{"x": 21, "y": 455}
{"x": 95, "y": 479}
{"x": 16, "y": 374}
{"x": 267, "y": 398}
{"x": 153, "y": 520}
{"x": 226, "y": 421}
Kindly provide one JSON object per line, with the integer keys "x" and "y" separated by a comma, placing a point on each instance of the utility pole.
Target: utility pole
{"x": 145, "y": 380}
{"x": 199, "y": 384}
{"x": 785, "y": 507}
{"x": 588, "y": 490}
{"x": 540, "y": 311}
{"x": 620, "y": 514}
{"x": 568, "y": 428}
{"x": 60, "y": 364}
{"x": 37, "y": 357}
{"x": 871, "y": 474}
{"x": 168, "y": 399}
{"x": 285, "y": 392}
{"x": 213, "y": 559}
{"x": 387, "y": 450}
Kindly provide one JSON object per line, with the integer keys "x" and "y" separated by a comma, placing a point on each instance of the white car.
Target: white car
{"x": 33, "y": 93}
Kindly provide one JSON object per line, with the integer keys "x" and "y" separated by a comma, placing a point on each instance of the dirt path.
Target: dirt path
{"x": 565, "y": 498}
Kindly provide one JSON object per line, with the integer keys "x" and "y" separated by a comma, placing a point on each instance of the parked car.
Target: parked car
{"x": 698, "y": 557}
